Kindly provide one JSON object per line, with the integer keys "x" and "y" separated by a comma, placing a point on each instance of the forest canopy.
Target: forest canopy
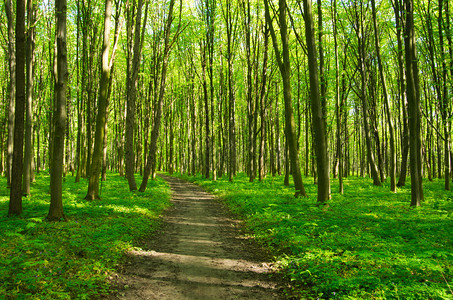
{"x": 325, "y": 89}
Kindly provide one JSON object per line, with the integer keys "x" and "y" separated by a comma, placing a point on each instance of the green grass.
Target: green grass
{"x": 369, "y": 244}
{"x": 75, "y": 258}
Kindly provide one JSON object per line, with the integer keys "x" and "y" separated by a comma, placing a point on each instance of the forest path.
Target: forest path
{"x": 198, "y": 254}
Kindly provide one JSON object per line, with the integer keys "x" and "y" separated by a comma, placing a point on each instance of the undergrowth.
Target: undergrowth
{"x": 73, "y": 259}
{"x": 369, "y": 244}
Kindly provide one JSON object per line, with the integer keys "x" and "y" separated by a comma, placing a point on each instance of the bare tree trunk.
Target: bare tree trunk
{"x": 386, "y": 103}
{"x": 444, "y": 100}
{"x": 15, "y": 201}
{"x": 320, "y": 139}
{"x": 262, "y": 169}
{"x": 150, "y": 162}
{"x": 231, "y": 26}
{"x": 413, "y": 98}
{"x": 131, "y": 95}
{"x": 206, "y": 113}
{"x": 28, "y": 149}
{"x": 361, "y": 62}
{"x": 338, "y": 105}
{"x": 284, "y": 65}
{"x": 56, "y": 174}
{"x": 101, "y": 119}
{"x": 12, "y": 90}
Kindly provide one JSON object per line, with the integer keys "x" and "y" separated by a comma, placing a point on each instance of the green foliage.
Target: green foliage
{"x": 369, "y": 244}
{"x": 74, "y": 259}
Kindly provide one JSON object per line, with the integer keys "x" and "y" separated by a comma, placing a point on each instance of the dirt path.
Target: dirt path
{"x": 198, "y": 254}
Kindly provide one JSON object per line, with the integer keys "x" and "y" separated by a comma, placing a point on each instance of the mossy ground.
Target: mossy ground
{"x": 73, "y": 259}
{"x": 369, "y": 243}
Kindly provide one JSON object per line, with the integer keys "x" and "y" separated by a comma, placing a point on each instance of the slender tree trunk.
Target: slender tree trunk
{"x": 361, "y": 61}
{"x": 413, "y": 98}
{"x": 262, "y": 169}
{"x": 284, "y": 65}
{"x": 206, "y": 113}
{"x": 338, "y": 105}
{"x": 101, "y": 119}
{"x": 231, "y": 31}
{"x": 15, "y": 202}
{"x": 444, "y": 100}
{"x": 210, "y": 46}
{"x": 150, "y": 162}
{"x": 56, "y": 174}
{"x": 320, "y": 139}
{"x": 12, "y": 90}
{"x": 79, "y": 102}
{"x": 386, "y": 103}
{"x": 28, "y": 149}
{"x": 131, "y": 95}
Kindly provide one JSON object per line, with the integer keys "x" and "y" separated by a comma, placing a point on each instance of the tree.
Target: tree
{"x": 15, "y": 200}
{"x": 413, "y": 99}
{"x": 28, "y": 149}
{"x": 101, "y": 119}
{"x": 320, "y": 139}
{"x": 386, "y": 101}
{"x": 358, "y": 24}
{"x": 133, "y": 69}
{"x": 284, "y": 66}
{"x": 150, "y": 162}
{"x": 230, "y": 17}
{"x": 59, "y": 117}
{"x": 12, "y": 90}
{"x": 338, "y": 104}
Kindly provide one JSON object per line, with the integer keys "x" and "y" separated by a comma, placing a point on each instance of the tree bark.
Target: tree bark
{"x": 338, "y": 105}
{"x": 386, "y": 103}
{"x": 262, "y": 167}
{"x": 361, "y": 62}
{"x": 15, "y": 201}
{"x": 231, "y": 31}
{"x": 320, "y": 139}
{"x": 12, "y": 90}
{"x": 402, "y": 93}
{"x": 413, "y": 97}
{"x": 28, "y": 149}
{"x": 284, "y": 66}
{"x": 59, "y": 119}
{"x": 444, "y": 100}
{"x": 150, "y": 162}
{"x": 131, "y": 94}
{"x": 101, "y": 119}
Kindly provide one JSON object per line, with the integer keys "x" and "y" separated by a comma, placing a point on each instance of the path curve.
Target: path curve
{"x": 198, "y": 254}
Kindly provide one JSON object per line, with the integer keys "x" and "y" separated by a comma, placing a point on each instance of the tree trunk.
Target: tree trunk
{"x": 320, "y": 139}
{"x": 361, "y": 62}
{"x": 206, "y": 113}
{"x": 59, "y": 120}
{"x": 28, "y": 149}
{"x": 284, "y": 65}
{"x": 386, "y": 103}
{"x": 131, "y": 94}
{"x": 413, "y": 98}
{"x": 262, "y": 169}
{"x": 12, "y": 90}
{"x": 150, "y": 162}
{"x": 15, "y": 201}
{"x": 444, "y": 100}
{"x": 338, "y": 105}
{"x": 230, "y": 27}
{"x": 101, "y": 119}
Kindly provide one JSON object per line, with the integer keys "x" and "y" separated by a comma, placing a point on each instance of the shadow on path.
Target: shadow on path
{"x": 198, "y": 254}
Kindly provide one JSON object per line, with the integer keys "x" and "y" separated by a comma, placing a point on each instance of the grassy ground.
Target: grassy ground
{"x": 73, "y": 259}
{"x": 369, "y": 244}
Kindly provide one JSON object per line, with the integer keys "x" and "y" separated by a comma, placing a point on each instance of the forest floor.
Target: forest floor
{"x": 199, "y": 253}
